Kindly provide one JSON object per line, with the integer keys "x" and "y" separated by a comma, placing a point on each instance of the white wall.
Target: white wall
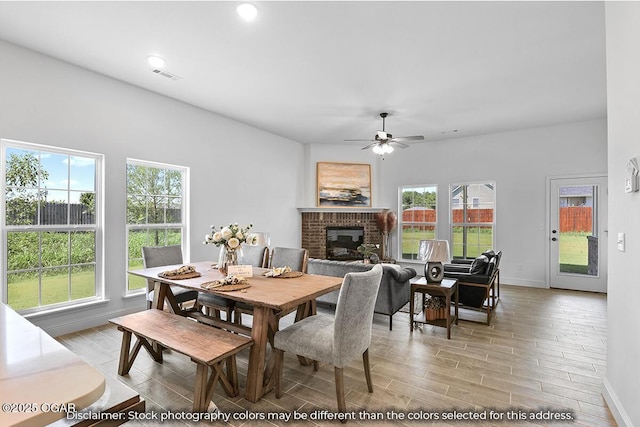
{"x": 235, "y": 169}
{"x": 622, "y": 382}
{"x": 518, "y": 162}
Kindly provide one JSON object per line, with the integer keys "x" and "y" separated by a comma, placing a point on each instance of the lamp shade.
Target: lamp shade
{"x": 434, "y": 251}
{"x": 261, "y": 238}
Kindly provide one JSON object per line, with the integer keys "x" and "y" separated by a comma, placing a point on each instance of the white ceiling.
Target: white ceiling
{"x": 321, "y": 72}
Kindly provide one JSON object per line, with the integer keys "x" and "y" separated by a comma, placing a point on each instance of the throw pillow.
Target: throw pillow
{"x": 479, "y": 265}
{"x": 489, "y": 253}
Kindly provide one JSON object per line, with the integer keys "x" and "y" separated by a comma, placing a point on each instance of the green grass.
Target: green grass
{"x": 574, "y": 252}
{"x": 479, "y": 240}
{"x": 136, "y": 282}
{"x": 23, "y": 293}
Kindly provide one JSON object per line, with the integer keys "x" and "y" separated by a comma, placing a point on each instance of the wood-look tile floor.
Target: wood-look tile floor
{"x": 544, "y": 353}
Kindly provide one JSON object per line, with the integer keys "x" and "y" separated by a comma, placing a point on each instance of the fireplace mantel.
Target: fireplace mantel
{"x": 339, "y": 210}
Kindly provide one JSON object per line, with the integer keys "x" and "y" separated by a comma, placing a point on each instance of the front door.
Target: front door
{"x": 578, "y": 239}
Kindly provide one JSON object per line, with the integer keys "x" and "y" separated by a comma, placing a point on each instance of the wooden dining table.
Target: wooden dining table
{"x": 270, "y": 297}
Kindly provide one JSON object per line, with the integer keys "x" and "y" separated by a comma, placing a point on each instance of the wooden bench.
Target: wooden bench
{"x": 208, "y": 347}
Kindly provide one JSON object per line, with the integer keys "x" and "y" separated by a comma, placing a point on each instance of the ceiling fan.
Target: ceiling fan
{"x": 383, "y": 142}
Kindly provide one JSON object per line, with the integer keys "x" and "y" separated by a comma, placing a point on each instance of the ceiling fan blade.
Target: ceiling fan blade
{"x": 358, "y": 140}
{"x": 369, "y": 146}
{"x": 398, "y": 144}
{"x": 408, "y": 138}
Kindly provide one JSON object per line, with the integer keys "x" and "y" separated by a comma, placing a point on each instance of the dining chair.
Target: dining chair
{"x": 338, "y": 339}
{"x": 256, "y": 256}
{"x": 295, "y": 258}
{"x": 157, "y": 256}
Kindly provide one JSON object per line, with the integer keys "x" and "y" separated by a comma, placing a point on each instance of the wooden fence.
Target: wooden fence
{"x": 572, "y": 218}
{"x": 576, "y": 218}
{"x": 429, "y": 215}
{"x": 51, "y": 214}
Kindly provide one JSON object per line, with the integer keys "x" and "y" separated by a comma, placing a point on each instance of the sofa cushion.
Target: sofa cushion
{"x": 489, "y": 253}
{"x": 479, "y": 265}
{"x": 394, "y": 291}
{"x": 325, "y": 267}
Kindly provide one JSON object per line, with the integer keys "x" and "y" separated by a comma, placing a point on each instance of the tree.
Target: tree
{"x": 153, "y": 197}
{"x": 23, "y": 173}
{"x": 412, "y": 198}
{"x": 88, "y": 200}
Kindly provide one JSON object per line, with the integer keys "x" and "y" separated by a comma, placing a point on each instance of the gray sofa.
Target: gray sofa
{"x": 394, "y": 292}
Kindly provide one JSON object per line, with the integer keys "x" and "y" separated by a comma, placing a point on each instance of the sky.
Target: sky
{"x": 69, "y": 176}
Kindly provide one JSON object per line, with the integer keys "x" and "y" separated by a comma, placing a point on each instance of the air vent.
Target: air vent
{"x": 166, "y": 74}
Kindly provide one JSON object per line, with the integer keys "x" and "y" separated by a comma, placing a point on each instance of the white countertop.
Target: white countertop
{"x": 38, "y": 374}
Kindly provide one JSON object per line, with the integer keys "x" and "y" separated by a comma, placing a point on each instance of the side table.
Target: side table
{"x": 448, "y": 289}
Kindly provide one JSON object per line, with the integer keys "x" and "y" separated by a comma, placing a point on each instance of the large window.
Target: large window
{"x": 156, "y": 200}
{"x": 472, "y": 219}
{"x": 419, "y": 218}
{"x": 51, "y": 227}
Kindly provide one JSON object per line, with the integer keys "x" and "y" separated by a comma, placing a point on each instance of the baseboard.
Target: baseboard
{"x": 615, "y": 406}
{"x": 516, "y": 281}
{"x": 87, "y": 321}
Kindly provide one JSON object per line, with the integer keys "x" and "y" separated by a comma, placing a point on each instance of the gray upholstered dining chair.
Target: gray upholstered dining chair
{"x": 337, "y": 340}
{"x": 257, "y": 256}
{"x": 157, "y": 256}
{"x": 295, "y": 258}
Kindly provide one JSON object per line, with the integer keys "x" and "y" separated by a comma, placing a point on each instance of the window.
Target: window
{"x": 418, "y": 219}
{"x": 156, "y": 200}
{"x": 472, "y": 219}
{"x": 51, "y": 228}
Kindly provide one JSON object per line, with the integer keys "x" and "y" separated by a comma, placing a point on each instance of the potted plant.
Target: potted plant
{"x": 369, "y": 252}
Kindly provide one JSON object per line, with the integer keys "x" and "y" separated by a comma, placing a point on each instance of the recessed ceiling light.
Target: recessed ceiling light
{"x": 156, "y": 61}
{"x": 247, "y": 11}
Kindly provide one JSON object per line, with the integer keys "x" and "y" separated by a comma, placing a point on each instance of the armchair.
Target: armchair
{"x": 478, "y": 281}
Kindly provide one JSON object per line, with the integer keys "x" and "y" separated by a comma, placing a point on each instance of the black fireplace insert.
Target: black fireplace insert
{"x": 343, "y": 242}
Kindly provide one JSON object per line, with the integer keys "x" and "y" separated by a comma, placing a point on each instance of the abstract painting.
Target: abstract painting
{"x": 343, "y": 184}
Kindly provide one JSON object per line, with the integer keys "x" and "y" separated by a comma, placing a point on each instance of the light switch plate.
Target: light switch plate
{"x": 621, "y": 242}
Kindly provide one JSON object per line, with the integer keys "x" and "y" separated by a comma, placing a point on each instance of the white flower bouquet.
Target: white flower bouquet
{"x": 230, "y": 236}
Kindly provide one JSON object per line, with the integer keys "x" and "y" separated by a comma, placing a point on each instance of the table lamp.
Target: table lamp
{"x": 435, "y": 252}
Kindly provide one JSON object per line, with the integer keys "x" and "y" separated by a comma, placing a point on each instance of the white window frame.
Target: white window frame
{"x": 97, "y": 228}
{"x": 401, "y": 190}
{"x": 472, "y": 224}
{"x": 183, "y": 225}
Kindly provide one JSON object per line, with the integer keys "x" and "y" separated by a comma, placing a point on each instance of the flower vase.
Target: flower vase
{"x": 228, "y": 257}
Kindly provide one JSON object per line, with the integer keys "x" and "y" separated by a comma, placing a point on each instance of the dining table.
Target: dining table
{"x": 270, "y": 297}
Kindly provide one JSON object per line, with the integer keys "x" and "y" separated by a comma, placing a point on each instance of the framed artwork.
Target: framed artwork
{"x": 343, "y": 184}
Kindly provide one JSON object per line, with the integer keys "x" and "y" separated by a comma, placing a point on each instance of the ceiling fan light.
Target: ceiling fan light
{"x": 247, "y": 11}
{"x": 378, "y": 149}
{"x": 387, "y": 148}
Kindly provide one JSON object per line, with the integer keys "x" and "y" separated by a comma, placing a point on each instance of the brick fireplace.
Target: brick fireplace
{"x": 316, "y": 221}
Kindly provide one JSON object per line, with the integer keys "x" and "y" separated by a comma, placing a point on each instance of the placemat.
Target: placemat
{"x": 288, "y": 275}
{"x": 225, "y": 288}
{"x": 230, "y": 288}
{"x": 179, "y": 276}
